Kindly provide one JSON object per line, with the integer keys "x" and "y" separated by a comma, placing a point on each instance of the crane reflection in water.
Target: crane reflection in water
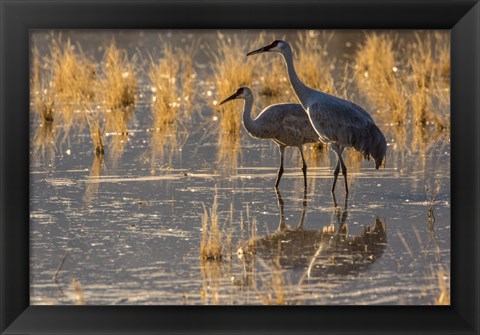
{"x": 316, "y": 253}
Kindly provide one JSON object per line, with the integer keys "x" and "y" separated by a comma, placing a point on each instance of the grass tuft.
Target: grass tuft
{"x": 73, "y": 79}
{"x": 166, "y": 96}
{"x": 43, "y": 96}
{"x": 116, "y": 89}
{"x": 212, "y": 237}
{"x": 97, "y": 136}
{"x": 231, "y": 69}
{"x": 172, "y": 80}
{"x": 378, "y": 77}
{"x": 428, "y": 81}
{"x": 118, "y": 84}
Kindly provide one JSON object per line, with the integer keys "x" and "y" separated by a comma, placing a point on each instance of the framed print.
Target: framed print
{"x": 164, "y": 162}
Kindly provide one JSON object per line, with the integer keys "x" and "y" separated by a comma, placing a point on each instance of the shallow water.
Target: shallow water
{"x": 126, "y": 228}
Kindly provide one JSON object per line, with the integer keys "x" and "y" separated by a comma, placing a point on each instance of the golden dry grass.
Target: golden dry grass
{"x": 172, "y": 80}
{"x": 187, "y": 76}
{"x": 166, "y": 97}
{"x": 74, "y": 81}
{"x": 423, "y": 75}
{"x": 118, "y": 83}
{"x": 215, "y": 248}
{"x": 416, "y": 89}
{"x": 62, "y": 84}
{"x": 212, "y": 236}
{"x": 269, "y": 73}
{"x": 73, "y": 73}
{"x": 413, "y": 91}
{"x": 117, "y": 88}
{"x": 231, "y": 69}
{"x": 44, "y": 104}
{"x": 273, "y": 81}
{"x": 69, "y": 89}
{"x": 443, "y": 297}
{"x": 42, "y": 95}
{"x": 97, "y": 135}
{"x": 313, "y": 63}
{"x": 74, "y": 77}
{"x": 429, "y": 73}
{"x": 442, "y": 54}
{"x": 378, "y": 77}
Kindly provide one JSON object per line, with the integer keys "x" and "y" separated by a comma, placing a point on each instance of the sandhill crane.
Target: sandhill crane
{"x": 286, "y": 124}
{"x": 336, "y": 121}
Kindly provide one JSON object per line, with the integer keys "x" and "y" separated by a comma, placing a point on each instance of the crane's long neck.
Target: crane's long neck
{"x": 248, "y": 122}
{"x": 301, "y": 90}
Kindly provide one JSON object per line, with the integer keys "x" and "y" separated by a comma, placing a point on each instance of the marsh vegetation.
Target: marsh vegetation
{"x": 158, "y": 195}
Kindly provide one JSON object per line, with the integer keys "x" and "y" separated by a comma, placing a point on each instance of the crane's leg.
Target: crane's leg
{"x": 304, "y": 211}
{"x": 344, "y": 227}
{"x": 280, "y": 170}
{"x": 304, "y": 168}
{"x": 335, "y": 175}
{"x": 338, "y": 150}
{"x": 344, "y": 169}
{"x": 281, "y": 204}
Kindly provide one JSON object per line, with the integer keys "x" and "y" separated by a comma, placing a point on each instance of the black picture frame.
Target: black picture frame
{"x": 18, "y": 17}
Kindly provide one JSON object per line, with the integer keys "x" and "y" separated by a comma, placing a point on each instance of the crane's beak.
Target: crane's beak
{"x": 232, "y": 97}
{"x": 264, "y": 49}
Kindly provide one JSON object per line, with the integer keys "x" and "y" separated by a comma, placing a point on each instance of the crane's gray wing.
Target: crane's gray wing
{"x": 288, "y": 123}
{"x": 296, "y": 127}
{"x": 332, "y": 117}
{"x": 347, "y": 124}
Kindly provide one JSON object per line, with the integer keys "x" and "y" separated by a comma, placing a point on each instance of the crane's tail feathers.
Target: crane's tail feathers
{"x": 379, "y": 164}
{"x": 379, "y": 147}
{"x": 371, "y": 144}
